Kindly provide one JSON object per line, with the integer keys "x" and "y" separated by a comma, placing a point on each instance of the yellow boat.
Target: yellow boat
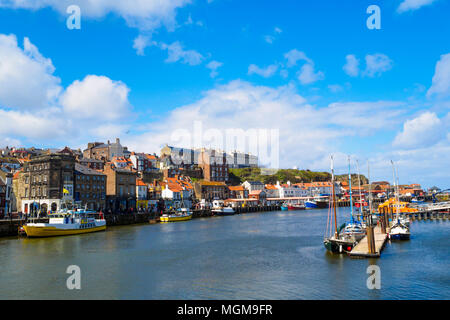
{"x": 394, "y": 206}
{"x": 182, "y": 215}
{"x": 63, "y": 224}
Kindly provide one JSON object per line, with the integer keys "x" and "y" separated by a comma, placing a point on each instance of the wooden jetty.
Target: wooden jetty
{"x": 362, "y": 248}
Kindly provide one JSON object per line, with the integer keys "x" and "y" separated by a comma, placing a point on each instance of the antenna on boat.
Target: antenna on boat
{"x": 350, "y": 188}
{"x": 359, "y": 187}
{"x": 334, "y": 196}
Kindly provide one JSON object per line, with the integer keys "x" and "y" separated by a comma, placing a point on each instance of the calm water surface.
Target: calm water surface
{"x": 270, "y": 255}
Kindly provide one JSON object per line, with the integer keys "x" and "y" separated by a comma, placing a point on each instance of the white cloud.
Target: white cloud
{"x": 26, "y": 77}
{"x": 376, "y": 64}
{"x": 307, "y": 74}
{"x": 351, "y": 66}
{"x": 177, "y": 53}
{"x": 141, "y": 42}
{"x": 410, "y": 5}
{"x": 294, "y": 56}
{"x": 213, "y": 66}
{"x": 271, "y": 37}
{"x": 145, "y": 15}
{"x": 302, "y": 126}
{"x": 441, "y": 78}
{"x": 263, "y": 72}
{"x": 96, "y": 97}
{"x": 422, "y": 131}
{"x": 34, "y": 107}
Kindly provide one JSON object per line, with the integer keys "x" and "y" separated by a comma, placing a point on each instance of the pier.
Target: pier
{"x": 362, "y": 248}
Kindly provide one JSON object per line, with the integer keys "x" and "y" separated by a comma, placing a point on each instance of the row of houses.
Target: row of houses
{"x": 109, "y": 177}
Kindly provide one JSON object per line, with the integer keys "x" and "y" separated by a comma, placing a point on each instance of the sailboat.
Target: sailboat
{"x": 336, "y": 242}
{"x": 353, "y": 228}
{"x": 399, "y": 230}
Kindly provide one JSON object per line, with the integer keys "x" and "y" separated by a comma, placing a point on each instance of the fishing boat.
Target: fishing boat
{"x": 299, "y": 206}
{"x": 311, "y": 204}
{"x": 220, "y": 210}
{"x": 336, "y": 242}
{"x": 182, "y": 214}
{"x": 66, "y": 222}
{"x": 399, "y": 231}
{"x": 223, "y": 211}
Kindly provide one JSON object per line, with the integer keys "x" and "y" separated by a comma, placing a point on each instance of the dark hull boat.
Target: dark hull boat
{"x": 339, "y": 245}
{"x": 399, "y": 236}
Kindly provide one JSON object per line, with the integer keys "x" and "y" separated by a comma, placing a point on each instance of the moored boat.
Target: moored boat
{"x": 399, "y": 231}
{"x": 394, "y": 205}
{"x": 292, "y": 207}
{"x": 310, "y": 204}
{"x": 69, "y": 222}
{"x": 224, "y": 211}
{"x": 336, "y": 242}
{"x": 181, "y": 215}
{"x": 284, "y": 207}
{"x": 220, "y": 210}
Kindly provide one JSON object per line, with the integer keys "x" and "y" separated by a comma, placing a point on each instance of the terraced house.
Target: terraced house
{"x": 43, "y": 180}
{"x": 90, "y": 188}
{"x": 120, "y": 188}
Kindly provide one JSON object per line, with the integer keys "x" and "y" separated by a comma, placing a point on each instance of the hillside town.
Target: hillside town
{"x": 109, "y": 178}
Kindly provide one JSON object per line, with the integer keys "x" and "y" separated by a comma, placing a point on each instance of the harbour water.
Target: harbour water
{"x": 264, "y": 255}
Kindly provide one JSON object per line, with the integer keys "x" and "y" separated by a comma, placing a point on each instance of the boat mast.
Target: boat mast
{"x": 395, "y": 188}
{"x": 370, "y": 189}
{"x": 350, "y": 188}
{"x": 359, "y": 186}
{"x": 334, "y": 198}
{"x": 398, "y": 194}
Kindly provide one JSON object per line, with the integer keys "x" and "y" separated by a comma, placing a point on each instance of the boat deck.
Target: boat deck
{"x": 362, "y": 249}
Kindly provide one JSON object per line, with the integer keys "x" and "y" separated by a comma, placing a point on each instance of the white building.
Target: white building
{"x": 253, "y": 186}
{"x": 289, "y": 190}
{"x": 141, "y": 190}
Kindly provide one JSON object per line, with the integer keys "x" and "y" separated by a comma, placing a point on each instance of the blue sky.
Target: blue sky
{"x": 394, "y": 105}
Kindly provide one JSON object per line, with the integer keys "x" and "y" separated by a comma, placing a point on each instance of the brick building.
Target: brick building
{"x": 92, "y": 163}
{"x": 211, "y": 190}
{"x": 90, "y": 188}
{"x": 105, "y": 151}
{"x": 43, "y": 181}
{"x": 214, "y": 165}
{"x": 120, "y": 188}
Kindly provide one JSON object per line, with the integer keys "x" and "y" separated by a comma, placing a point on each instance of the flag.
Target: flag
{"x": 65, "y": 191}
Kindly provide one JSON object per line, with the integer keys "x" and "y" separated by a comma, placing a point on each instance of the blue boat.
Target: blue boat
{"x": 311, "y": 204}
{"x": 284, "y": 207}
